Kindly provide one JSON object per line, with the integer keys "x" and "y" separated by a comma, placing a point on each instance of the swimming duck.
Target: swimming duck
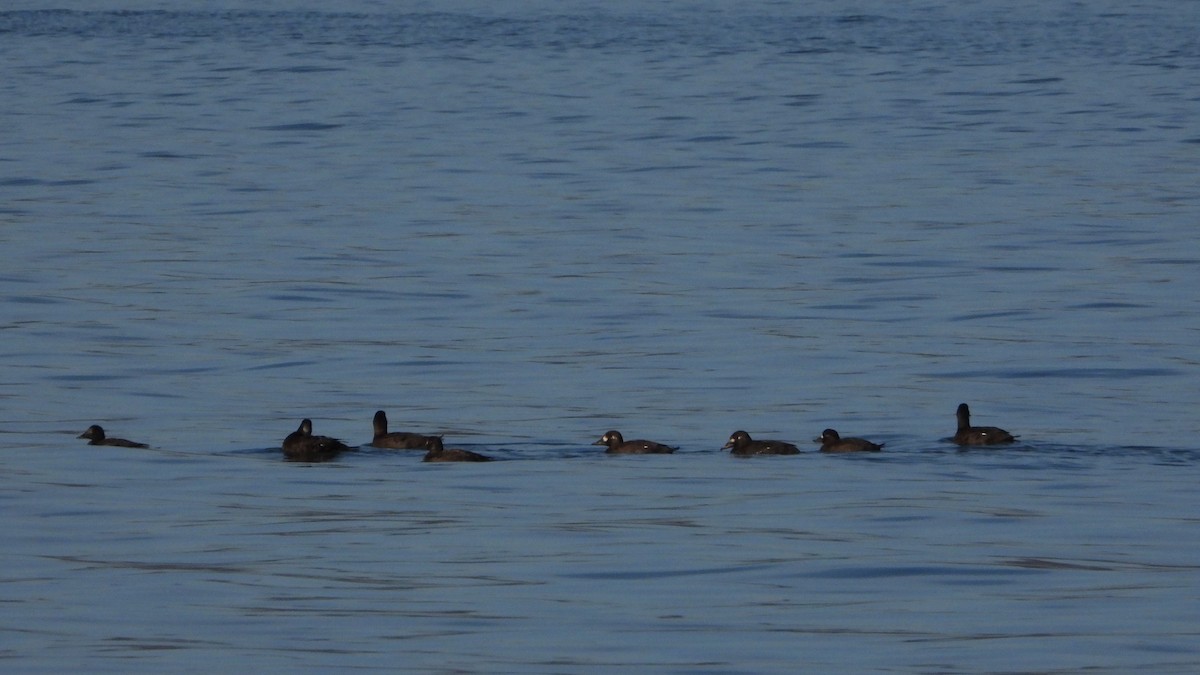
{"x": 969, "y": 435}
{"x": 437, "y": 453}
{"x": 397, "y": 440}
{"x": 95, "y": 434}
{"x": 302, "y": 446}
{"x": 744, "y": 446}
{"x": 831, "y": 441}
{"x": 617, "y": 445}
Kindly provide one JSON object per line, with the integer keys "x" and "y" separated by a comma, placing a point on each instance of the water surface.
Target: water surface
{"x": 523, "y": 225}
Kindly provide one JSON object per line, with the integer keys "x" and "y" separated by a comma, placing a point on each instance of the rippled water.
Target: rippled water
{"x": 523, "y": 225}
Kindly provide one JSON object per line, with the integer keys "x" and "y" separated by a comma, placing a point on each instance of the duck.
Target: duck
{"x": 744, "y": 446}
{"x": 396, "y": 440}
{"x": 969, "y": 435}
{"x": 831, "y": 441}
{"x": 437, "y": 453}
{"x": 302, "y": 446}
{"x": 95, "y": 436}
{"x": 617, "y": 445}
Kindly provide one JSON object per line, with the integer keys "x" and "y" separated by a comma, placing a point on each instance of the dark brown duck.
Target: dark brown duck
{"x": 437, "y": 453}
{"x": 617, "y": 445}
{"x": 742, "y": 445}
{"x": 831, "y": 441}
{"x": 95, "y": 436}
{"x": 302, "y": 446}
{"x": 969, "y": 435}
{"x": 396, "y": 440}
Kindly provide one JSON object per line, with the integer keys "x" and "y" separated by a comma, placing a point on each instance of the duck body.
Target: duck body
{"x": 969, "y": 435}
{"x": 617, "y": 445}
{"x": 302, "y": 446}
{"x": 95, "y": 436}
{"x": 438, "y": 453}
{"x": 741, "y": 445}
{"x": 396, "y": 440}
{"x": 831, "y": 441}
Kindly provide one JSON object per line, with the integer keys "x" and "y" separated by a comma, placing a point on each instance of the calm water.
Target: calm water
{"x": 523, "y": 225}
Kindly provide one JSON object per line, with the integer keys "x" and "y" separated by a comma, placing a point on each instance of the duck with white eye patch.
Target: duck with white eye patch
{"x": 617, "y": 445}
{"x": 741, "y": 445}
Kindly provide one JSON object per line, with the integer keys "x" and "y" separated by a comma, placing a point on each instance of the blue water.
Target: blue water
{"x": 525, "y": 224}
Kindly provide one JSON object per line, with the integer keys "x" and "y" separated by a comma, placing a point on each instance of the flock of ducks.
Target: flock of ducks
{"x": 302, "y": 446}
